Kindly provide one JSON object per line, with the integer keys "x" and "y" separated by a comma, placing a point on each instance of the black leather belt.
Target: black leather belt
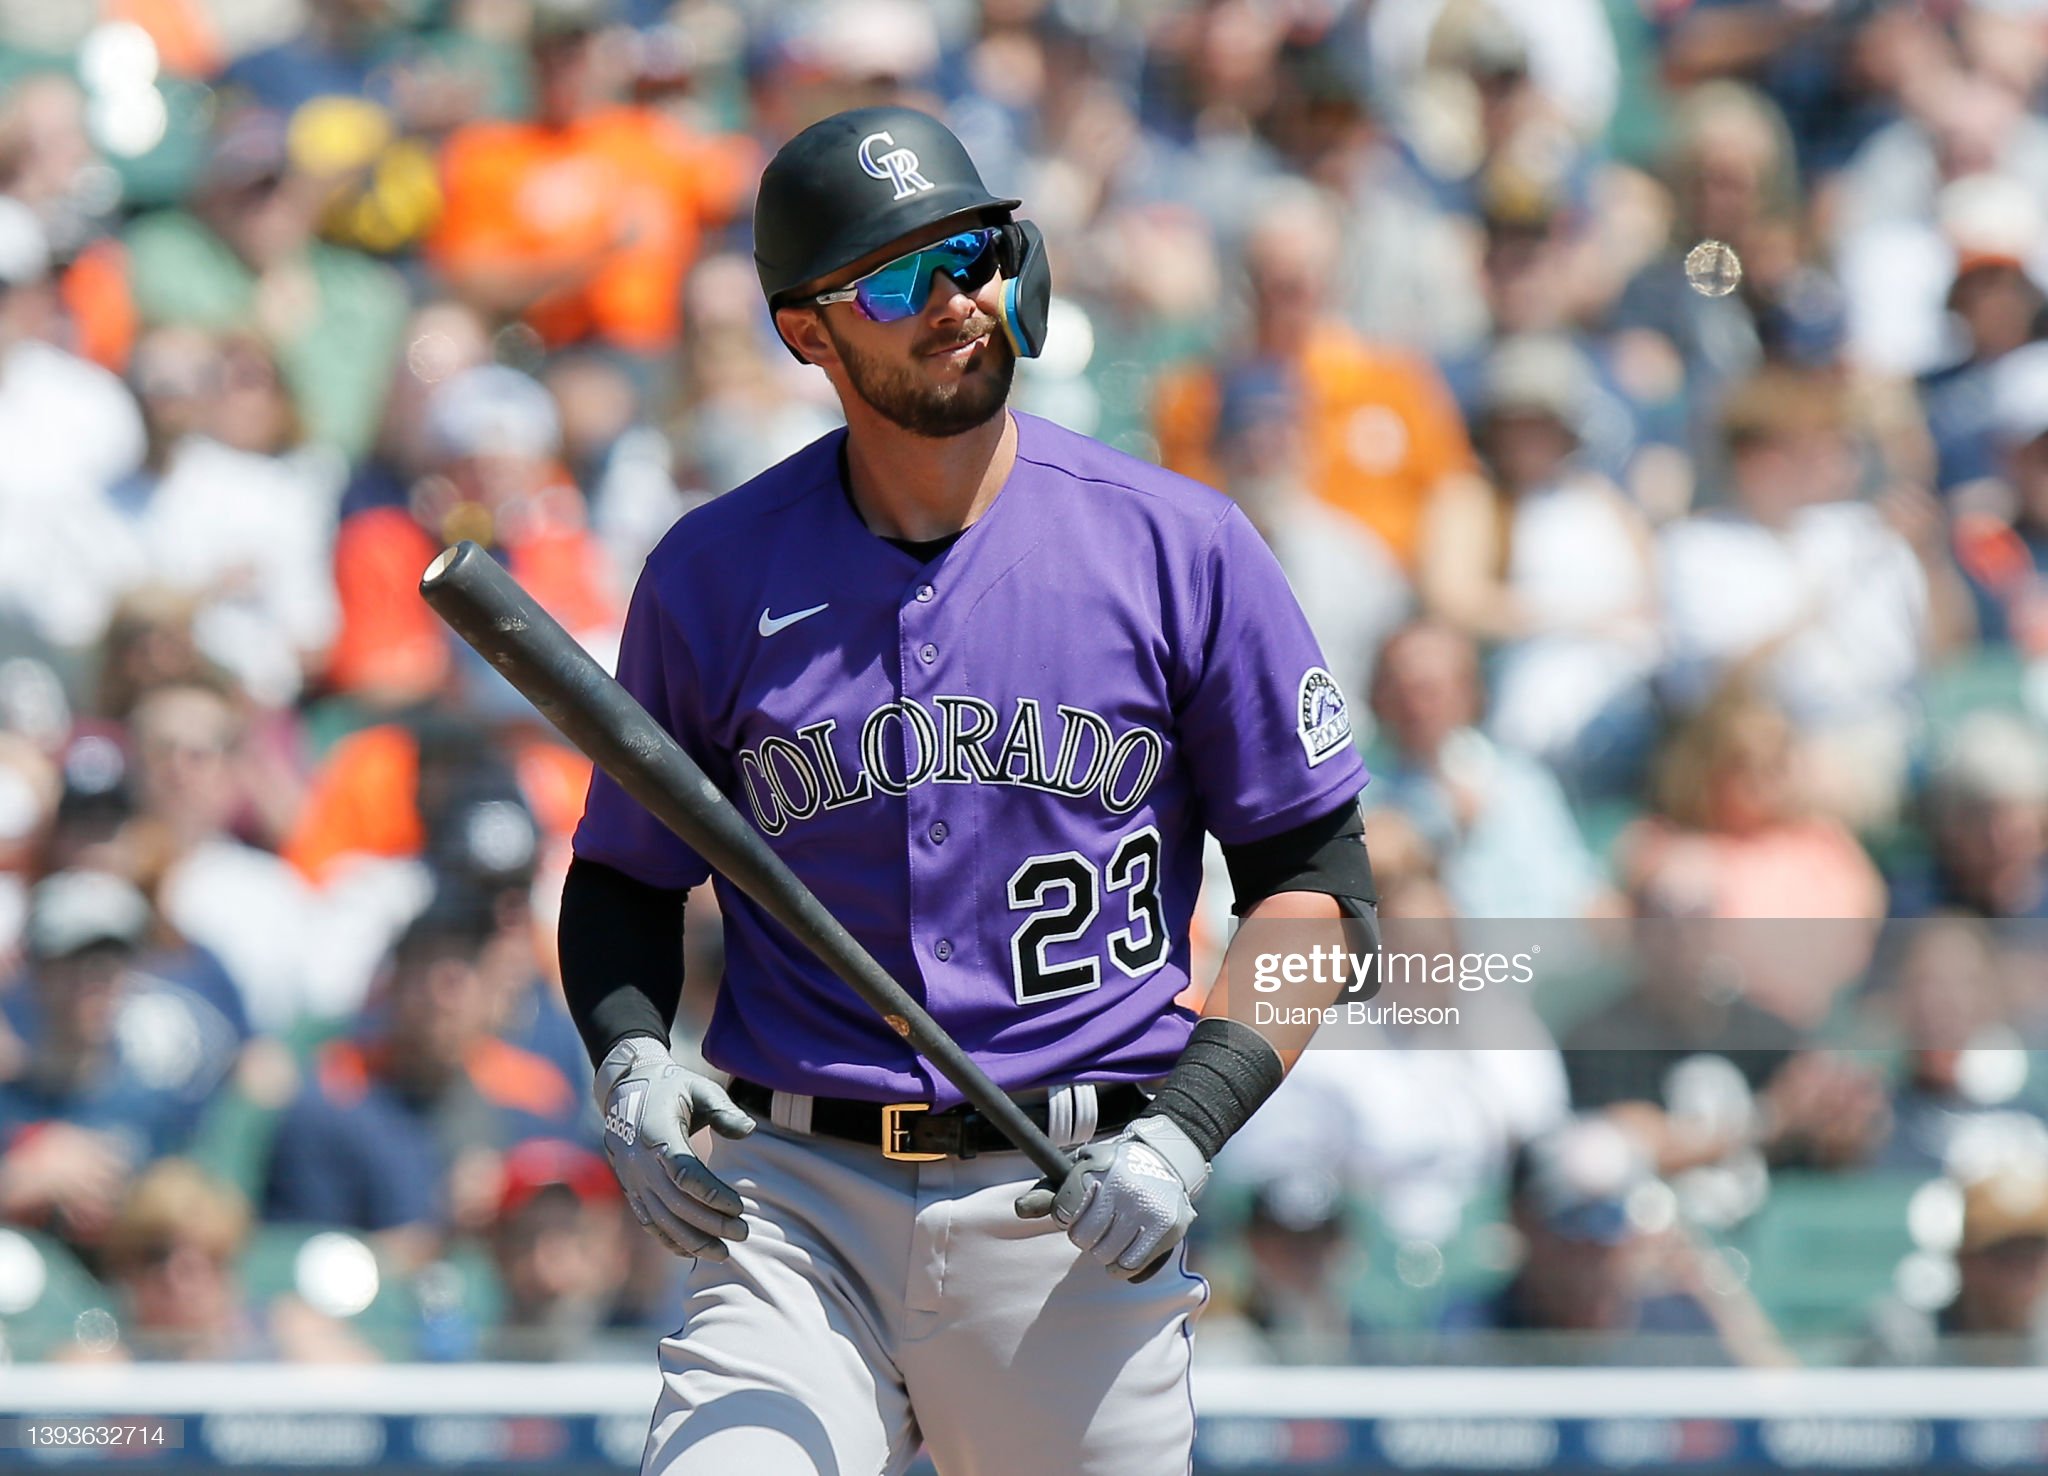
{"x": 912, "y": 1132}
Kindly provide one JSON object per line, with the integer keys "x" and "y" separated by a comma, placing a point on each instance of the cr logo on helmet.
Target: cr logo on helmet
{"x": 898, "y": 166}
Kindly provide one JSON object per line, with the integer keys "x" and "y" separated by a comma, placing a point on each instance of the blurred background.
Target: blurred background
{"x": 1701, "y": 598}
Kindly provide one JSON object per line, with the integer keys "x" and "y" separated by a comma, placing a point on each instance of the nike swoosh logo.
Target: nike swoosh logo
{"x": 770, "y": 624}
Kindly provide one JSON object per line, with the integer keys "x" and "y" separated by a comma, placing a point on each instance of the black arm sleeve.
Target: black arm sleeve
{"x": 622, "y": 956}
{"x": 1325, "y": 855}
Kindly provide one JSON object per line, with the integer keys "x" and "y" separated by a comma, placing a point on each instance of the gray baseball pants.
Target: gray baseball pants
{"x": 877, "y": 1304}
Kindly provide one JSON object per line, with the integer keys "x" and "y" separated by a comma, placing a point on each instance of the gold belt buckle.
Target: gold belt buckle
{"x": 895, "y": 1135}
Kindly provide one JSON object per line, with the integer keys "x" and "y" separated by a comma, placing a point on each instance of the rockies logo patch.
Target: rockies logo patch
{"x": 1324, "y": 723}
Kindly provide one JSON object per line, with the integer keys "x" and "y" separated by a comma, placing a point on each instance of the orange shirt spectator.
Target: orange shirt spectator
{"x": 364, "y": 800}
{"x": 493, "y": 441}
{"x": 392, "y": 648}
{"x": 1736, "y": 836}
{"x": 594, "y": 221}
{"x": 1383, "y": 430}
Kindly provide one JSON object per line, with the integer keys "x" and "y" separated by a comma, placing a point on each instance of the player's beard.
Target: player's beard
{"x": 901, "y": 396}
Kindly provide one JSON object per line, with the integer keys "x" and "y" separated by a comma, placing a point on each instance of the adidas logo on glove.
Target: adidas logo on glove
{"x": 623, "y": 1120}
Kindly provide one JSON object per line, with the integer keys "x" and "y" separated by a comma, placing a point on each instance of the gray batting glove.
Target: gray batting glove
{"x": 651, "y": 1105}
{"x": 1129, "y": 1199}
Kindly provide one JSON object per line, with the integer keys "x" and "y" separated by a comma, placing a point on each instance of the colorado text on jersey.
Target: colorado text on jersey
{"x": 904, "y": 744}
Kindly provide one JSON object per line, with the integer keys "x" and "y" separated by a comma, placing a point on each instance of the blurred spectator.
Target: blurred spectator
{"x": 559, "y": 1244}
{"x": 615, "y": 451}
{"x": 1732, "y": 802}
{"x": 1697, "y": 1067}
{"x": 1963, "y": 1073}
{"x": 1607, "y": 1276}
{"x": 1294, "y": 1304}
{"x": 1384, "y": 435}
{"x": 119, "y": 1063}
{"x": 1810, "y": 588}
{"x": 401, "y": 1128}
{"x": 224, "y": 514}
{"x": 1999, "y": 1313}
{"x": 1562, "y": 53}
{"x": 2001, "y": 526}
{"x": 1211, "y": 75}
{"x": 1489, "y": 1087}
{"x": 493, "y": 442}
{"x": 246, "y": 905}
{"x": 483, "y": 838}
{"x": 335, "y": 51}
{"x": 816, "y": 60}
{"x": 170, "y": 1256}
{"x": 1350, "y": 587}
{"x": 1838, "y": 71}
{"x": 149, "y": 643}
{"x": 1400, "y": 852}
{"x": 1987, "y": 818}
{"x": 586, "y": 219}
{"x": 359, "y": 49}
{"x": 1505, "y": 840}
{"x": 388, "y": 792}
{"x": 1994, "y": 230}
{"x": 73, "y": 433}
{"x": 442, "y": 339}
{"x": 244, "y": 258}
{"x": 1554, "y": 565}
{"x": 1409, "y": 277}
{"x": 1958, "y": 122}
{"x": 1913, "y": 306}
{"x": 743, "y": 410}
{"x": 1546, "y": 273}
{"x": 50, "y": 162}
{"x": 1731, "y": 173}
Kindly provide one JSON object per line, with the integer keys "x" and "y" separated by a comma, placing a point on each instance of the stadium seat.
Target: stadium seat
{"x": 1410, "y": 1284}
{"x": 1984, "y": 677}
{"x": 44, "y": 1291}
{"x": 1824, "y": 1248}
{"x": 336, "y": 1273}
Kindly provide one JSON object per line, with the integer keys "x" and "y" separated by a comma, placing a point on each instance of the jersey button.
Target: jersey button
{"x": 924, "y": 594}
{"x": 938, "y": 832}
{"x": 944, "y": 949}
{"x": 928, "y": 653}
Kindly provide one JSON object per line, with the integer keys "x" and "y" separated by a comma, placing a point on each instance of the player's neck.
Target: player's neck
{"x": 916, "y": 488}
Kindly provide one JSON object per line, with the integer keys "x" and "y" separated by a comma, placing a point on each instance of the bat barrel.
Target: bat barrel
{"x": 486, "y": 606}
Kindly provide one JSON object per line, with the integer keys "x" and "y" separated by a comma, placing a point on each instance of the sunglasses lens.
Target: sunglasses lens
{"x": 896, "y": 291}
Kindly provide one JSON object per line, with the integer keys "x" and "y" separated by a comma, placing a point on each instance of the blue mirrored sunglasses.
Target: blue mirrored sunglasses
{"x": 897, "y": 289}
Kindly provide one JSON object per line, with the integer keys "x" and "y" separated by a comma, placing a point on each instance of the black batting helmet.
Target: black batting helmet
{"x": 854, "y": 182}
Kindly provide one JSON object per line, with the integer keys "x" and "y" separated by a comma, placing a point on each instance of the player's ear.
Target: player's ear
{"x": 803, "y": 331}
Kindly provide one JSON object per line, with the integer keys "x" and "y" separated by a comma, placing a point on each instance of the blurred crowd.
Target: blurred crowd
{"x": 1697, "y": 588}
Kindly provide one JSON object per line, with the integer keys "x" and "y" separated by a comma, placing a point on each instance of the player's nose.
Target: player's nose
{"x": 950, "y": 304}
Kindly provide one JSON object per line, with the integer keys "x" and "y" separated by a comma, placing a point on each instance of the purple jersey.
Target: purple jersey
{"x": 994, "y": 768}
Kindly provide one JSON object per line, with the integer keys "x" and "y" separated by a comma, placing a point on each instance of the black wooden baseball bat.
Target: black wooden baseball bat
{"x": 485, "y": 605}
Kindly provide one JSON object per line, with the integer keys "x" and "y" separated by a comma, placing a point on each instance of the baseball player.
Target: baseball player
{"x": 982, "y": 683}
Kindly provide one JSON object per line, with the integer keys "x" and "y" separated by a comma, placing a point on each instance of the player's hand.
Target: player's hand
{"x": 651, "y": 1105}
{"x": 1129, "y": 1199}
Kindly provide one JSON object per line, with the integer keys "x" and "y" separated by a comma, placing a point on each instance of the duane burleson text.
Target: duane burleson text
{"x": 1329, "y": 963}
{"x": 1352, "y": 1012}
